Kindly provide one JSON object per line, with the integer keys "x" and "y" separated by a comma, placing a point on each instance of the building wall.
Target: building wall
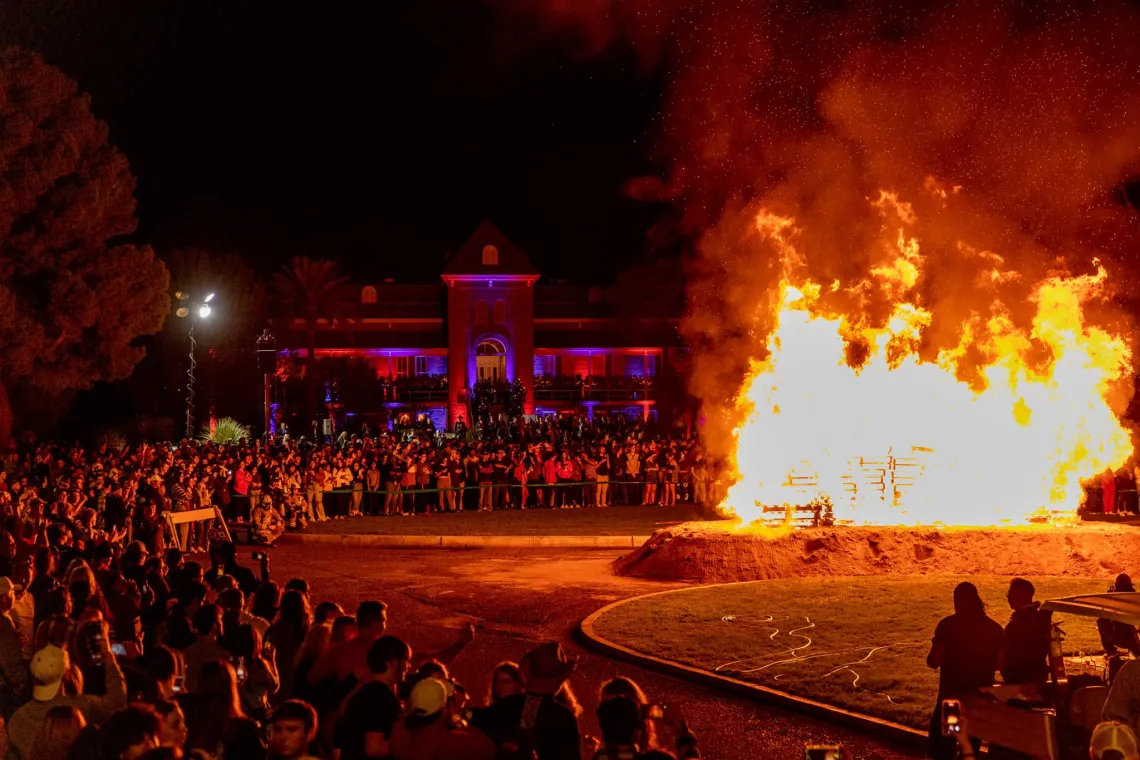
{"x": 500, "y": 309}
{"x": 460, "y": 307}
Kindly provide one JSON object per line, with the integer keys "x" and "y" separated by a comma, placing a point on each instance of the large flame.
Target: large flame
{"x": 901, "y": 439}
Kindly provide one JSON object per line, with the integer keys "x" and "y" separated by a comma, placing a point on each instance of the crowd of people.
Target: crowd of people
{"x": 113, "y": 649}
{"x": 552, "y": 464}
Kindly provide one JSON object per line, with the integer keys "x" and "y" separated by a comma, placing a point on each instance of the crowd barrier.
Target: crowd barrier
{"x": 494, "y": 486}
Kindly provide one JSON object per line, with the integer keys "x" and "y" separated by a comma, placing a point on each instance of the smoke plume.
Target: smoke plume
{"x": 1007, "y": 132}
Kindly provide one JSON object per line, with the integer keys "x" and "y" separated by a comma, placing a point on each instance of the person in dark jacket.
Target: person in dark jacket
{"x": 1026, "y": 637}
{"x": 1114, "y": 635}
{"x": 535, "y": 723}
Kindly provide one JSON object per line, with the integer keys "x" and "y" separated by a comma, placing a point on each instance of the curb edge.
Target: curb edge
{"x": 460, "y": 542}
{"x": 895, "y": 733}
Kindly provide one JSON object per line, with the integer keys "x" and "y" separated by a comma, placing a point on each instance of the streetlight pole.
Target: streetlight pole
{"x": 190, "y": 382}
{"x": 186, "y": 308}
{"x": 266, "y": 366}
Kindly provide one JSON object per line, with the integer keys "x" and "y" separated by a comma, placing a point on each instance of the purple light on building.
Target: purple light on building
{"x": 438, "y": 416}
{"x": 590, "y": 409}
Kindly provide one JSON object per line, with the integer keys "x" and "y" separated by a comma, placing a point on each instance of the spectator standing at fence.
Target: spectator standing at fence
{"x": 411, "y": 468}
{"x": 458, "y": 480}
{"x": 393, "y": 499}
{"x": 470, "y": 495}
{"x": 372, "y": 481}
{"x": 423, "y": 483}
{"x": 577, "y": 491}
{"x": 700, "y": 480}
{"x": 602, "y": 475}
{"x": 670, "y": 474}
{"x": 446, "y": 497}
{"x": 633, "y": 475}
{"x": 485, "y": 471}
{"x": 562, "y": 473}
{"x": 652, "y": 473}
{"x": 240, "y": 487}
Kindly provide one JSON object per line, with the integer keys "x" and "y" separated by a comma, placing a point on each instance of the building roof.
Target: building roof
{"x": 468, "y": 260}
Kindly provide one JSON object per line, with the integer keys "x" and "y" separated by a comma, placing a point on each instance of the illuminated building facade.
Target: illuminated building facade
{"x": 493, "y": 320}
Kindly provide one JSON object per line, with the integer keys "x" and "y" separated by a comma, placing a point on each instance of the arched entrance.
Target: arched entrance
{"x": 491, "y": 361}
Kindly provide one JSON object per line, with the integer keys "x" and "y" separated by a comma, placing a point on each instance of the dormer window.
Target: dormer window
{"x": 490, "y": 256}
{"x": 368, "y": 294}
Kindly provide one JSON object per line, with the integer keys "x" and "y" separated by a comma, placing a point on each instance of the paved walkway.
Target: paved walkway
{"x": 519, "y": 598}
{"x": 612, "y": 521}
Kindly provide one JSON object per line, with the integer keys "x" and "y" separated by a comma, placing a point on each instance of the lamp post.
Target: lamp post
{"x": 266, "y": 366}
{"x": 200, "y": 310}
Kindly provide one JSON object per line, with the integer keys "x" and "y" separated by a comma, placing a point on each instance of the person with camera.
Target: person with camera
{"x": 966, "y": 651}
{"x": 435, "y": 726}
{"x": 223, "y": 559}
{"x": 50, "y": 668}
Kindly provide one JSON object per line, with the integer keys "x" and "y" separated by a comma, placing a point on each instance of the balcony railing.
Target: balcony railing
{"x": 579, "y": 395}
{"x": 421, "y": 395}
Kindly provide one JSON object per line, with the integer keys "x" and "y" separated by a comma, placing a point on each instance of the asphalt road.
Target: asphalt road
{"x": 519, "y": 598}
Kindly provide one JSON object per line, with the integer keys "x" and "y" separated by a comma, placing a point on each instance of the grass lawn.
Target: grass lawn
{"x": 614, "y": 521}
{"x": 859, "y": 643}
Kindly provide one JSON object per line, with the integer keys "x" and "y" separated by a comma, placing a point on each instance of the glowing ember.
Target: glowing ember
{"x": 859, "y": 416}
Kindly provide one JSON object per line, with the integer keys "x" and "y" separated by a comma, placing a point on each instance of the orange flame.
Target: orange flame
{"x": 904, "y": 440}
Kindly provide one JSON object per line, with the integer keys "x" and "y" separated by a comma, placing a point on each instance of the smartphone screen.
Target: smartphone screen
{"x": 951, "y": 717}
{"x": 118, "y": 649}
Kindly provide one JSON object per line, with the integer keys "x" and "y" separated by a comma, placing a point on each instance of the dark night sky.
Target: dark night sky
{"x": 375, "y": 133}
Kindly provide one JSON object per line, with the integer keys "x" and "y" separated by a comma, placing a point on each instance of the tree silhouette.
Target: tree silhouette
{"x": 74, "y": 296}
{"x": 310, "y": 291}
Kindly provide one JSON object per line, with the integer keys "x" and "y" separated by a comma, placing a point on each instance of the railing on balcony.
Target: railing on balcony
{"x": 601, "y": 389}
{"x": 421, "y": 395}
{"x": 570, "y": 395}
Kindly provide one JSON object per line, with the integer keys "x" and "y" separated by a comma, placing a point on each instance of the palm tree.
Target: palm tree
{"x": 311, "y": 290}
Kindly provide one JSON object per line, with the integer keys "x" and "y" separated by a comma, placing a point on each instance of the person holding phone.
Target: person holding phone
{"x": 967, "y": 651}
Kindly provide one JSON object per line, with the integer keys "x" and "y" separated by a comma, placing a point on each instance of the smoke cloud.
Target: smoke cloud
{"x": 1006, "y": 130}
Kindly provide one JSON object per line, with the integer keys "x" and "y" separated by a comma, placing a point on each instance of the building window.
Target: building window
{"x": 368, "y": 294}
{"x": 401, "y": 366}
{"x": 650, "y": 365}
{"x": 421, "y": 365}
{"x": 481, "y": 313}
{"x": 490, "y": 256}
{"x": 491, "y": 361}
{"x": 500, "y": 312}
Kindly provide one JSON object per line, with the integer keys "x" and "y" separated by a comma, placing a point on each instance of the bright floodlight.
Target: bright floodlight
{"x": 204, "y": 311}
{"x": 209, "y": 298}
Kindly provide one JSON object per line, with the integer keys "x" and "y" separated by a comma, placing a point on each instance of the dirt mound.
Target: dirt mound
{"x": 695, "y": 552}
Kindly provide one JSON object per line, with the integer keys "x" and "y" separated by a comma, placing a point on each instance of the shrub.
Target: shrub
{"x": 113, "y": 440}
{"x": 226, "y": 430}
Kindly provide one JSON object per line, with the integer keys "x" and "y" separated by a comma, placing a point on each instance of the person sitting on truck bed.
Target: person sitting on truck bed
{"x": 1115, "y": 635}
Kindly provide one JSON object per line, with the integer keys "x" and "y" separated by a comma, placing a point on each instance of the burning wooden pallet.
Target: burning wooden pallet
{"x": 887, "y": 478}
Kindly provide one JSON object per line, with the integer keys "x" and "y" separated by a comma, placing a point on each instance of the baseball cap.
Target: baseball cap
{"x": 1111, "y": 739}
{"x": 48, "y": 668}
{"x": 430, "y": 695}
{"x": 6, "y": 585}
